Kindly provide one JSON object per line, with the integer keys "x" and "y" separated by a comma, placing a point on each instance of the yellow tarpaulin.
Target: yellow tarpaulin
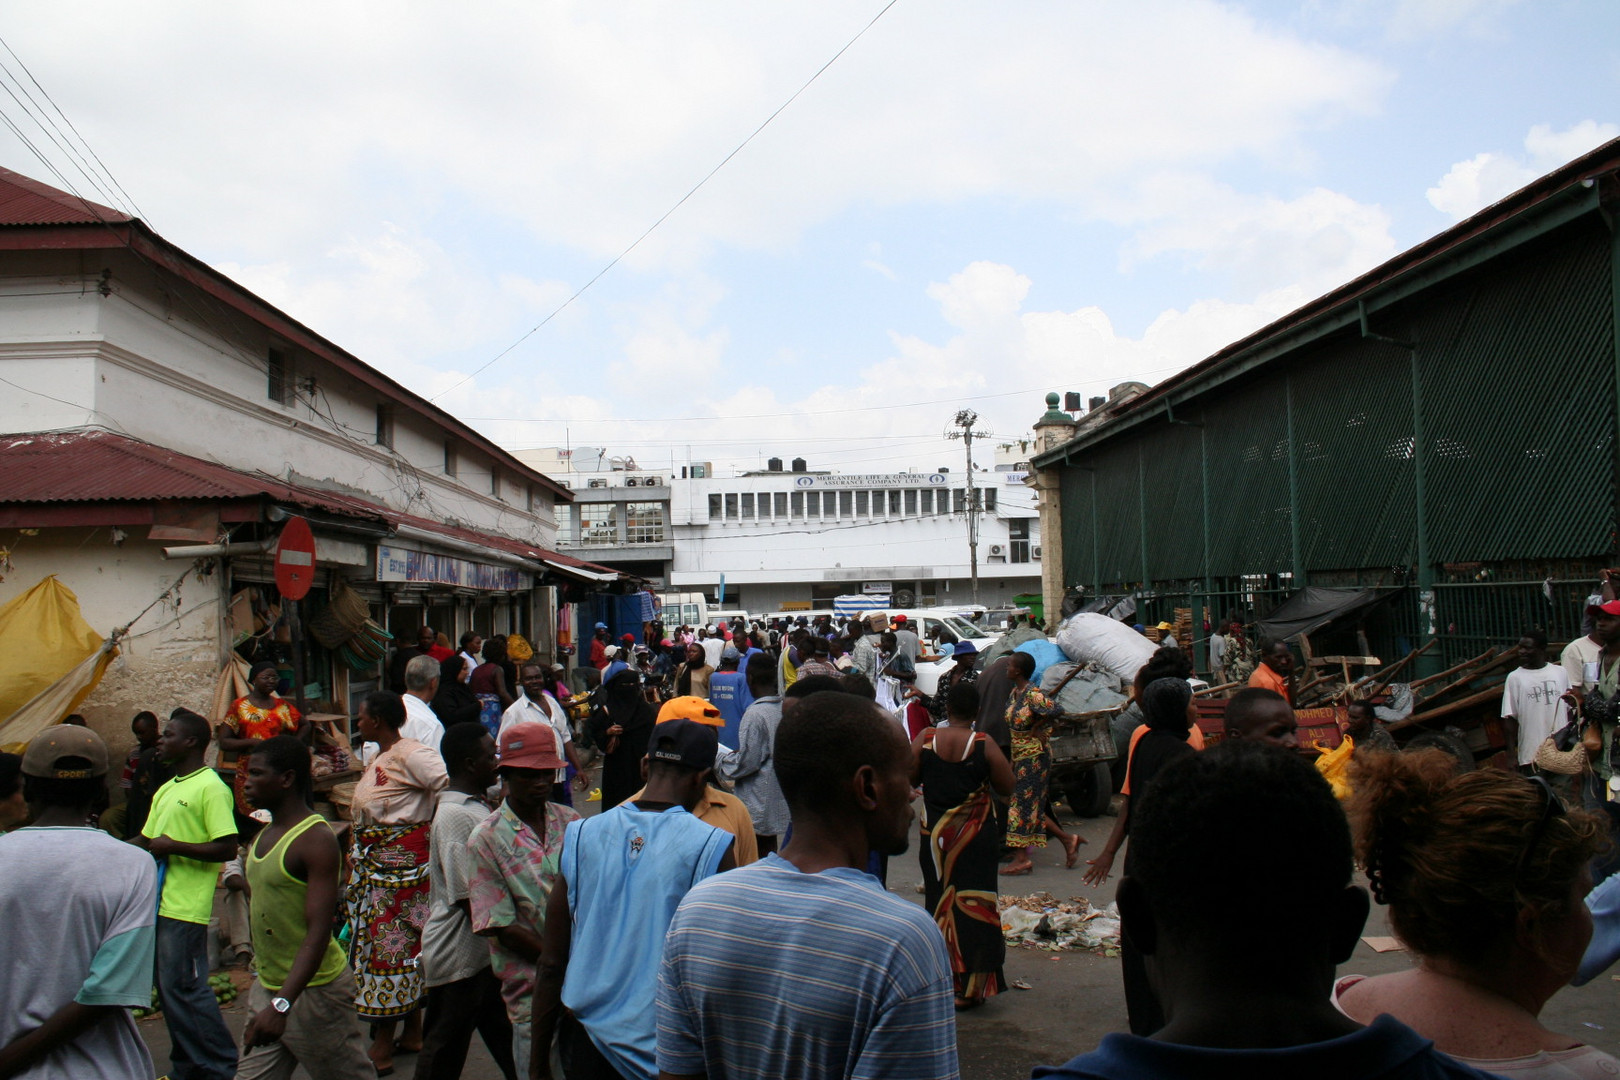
{"x": 53, "y": 659}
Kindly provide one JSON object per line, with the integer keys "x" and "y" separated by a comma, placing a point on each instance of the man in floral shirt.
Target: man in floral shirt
{"x": 514, "y": 857}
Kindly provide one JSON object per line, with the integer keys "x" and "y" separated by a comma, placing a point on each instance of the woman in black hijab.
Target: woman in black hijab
{"x": 622, "y": 727}
{"x": 455, "y": 703}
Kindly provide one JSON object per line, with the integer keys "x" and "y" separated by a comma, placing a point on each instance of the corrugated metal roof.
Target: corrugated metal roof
{"x": 100, "y": 466}
{"x": 28, "y": 202}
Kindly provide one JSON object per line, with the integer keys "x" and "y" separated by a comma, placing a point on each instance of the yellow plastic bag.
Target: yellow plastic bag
{"x": 1334, "y": 765}
{"x": 518, "y": 648}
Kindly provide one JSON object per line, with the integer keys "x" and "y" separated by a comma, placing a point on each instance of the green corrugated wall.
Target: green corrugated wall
{"x": 1516, "y": 362}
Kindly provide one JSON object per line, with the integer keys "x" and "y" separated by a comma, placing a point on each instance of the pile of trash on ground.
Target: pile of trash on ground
{"x": 1042, "y": 921}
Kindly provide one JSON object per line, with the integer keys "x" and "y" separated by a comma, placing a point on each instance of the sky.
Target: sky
{"x": 972, "y": 205}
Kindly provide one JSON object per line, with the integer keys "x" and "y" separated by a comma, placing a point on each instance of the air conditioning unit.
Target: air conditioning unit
{"x": 596, "y": 483}
{"x": 996, "y": 549}
{"x": 631, "y": 481}
{"x": 1035, "y": 551}
{"x": 652, "y": 481}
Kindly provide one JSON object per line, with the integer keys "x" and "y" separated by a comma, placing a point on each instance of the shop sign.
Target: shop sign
{"x": 877, "y": 588}
{"x": 403, "y": 564}
{"x": 873, "y": 480}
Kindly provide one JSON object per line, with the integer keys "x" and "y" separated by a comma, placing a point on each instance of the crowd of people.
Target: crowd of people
{"x": 723, "y": 913}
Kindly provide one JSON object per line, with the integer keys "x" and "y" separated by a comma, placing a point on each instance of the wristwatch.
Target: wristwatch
{"x": 280, "y": 1004}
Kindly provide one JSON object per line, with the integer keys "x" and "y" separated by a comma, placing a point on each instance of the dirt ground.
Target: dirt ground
{"x": 1075, "y": 998}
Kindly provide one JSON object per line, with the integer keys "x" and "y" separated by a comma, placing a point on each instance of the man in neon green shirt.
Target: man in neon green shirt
{"x": 191, "y": 829}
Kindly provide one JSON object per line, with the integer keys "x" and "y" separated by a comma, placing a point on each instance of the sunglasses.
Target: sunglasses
{"x": 1551, "y": 807}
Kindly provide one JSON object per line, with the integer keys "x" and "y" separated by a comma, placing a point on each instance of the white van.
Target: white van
{"x": 684, "y": 609}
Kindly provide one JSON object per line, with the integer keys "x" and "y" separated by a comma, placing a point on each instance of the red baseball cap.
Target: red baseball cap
{"x": 530, "y": 745}
{"x": 1611, "y": 608}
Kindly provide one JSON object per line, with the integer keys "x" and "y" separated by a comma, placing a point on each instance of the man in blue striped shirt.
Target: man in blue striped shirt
{"x": 802, "y": 964}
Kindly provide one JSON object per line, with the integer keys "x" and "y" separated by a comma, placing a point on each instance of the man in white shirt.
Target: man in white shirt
{"x": 421, "y": 722}
{"x": 536, "y": 705}
{"x": 1580, "y": 657}
{"x": 1532, "y": 699}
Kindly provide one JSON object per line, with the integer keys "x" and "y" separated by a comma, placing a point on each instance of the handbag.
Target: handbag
{"x": 1561, "y": 752}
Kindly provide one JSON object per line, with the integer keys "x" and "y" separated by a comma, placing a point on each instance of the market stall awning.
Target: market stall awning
{"x": 1313, "y": 608}
{"x": 95, "y": 477}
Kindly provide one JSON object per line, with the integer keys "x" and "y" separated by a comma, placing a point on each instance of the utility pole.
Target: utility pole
{"x": 964, "y": 430}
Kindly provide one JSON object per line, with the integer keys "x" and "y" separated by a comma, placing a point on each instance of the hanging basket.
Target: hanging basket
{"x": 340, "y": 620}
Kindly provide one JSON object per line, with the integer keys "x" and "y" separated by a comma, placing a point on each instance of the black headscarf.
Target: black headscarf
{"x": 623, "y": 704}
{"x": 454, "y": 703}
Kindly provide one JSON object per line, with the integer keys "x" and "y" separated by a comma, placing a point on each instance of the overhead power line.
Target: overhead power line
{"x": 678, "y": 204}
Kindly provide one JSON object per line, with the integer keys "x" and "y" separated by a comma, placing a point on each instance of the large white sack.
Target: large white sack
{"x": 1090, "y": 637}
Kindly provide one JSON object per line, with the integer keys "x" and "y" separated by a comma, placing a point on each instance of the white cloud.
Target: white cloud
{"x": 1261, "y": 243}
{"x": 1470, "y": 186}
{"x": 1413, "y": 19}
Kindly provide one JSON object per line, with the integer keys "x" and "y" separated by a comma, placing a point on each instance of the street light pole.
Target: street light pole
{"x": 964, "y": 422}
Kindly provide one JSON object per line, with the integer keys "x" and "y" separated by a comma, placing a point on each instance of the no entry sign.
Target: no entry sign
{"x": 295, "y": 559}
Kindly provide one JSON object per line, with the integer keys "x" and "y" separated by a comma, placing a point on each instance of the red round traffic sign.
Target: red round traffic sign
{"x": 295, "y": 559}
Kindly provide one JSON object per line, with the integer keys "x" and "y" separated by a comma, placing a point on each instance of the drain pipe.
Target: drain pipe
{"x": 214, "y": 551}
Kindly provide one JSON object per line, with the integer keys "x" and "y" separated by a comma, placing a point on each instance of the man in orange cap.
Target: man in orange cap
{"x": 719, "y": 808}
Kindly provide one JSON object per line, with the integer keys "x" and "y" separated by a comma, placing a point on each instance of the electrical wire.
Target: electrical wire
{"x": 678, "y": 204}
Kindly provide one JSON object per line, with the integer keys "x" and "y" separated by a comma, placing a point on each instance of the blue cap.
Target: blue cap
{"x": 601, "y": 626}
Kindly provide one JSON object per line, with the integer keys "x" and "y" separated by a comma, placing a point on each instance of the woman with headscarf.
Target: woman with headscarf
{"x": 253, "y": 718}
{"x": 622, "y": 727}
{"x": 1030, "y": 716}
{"x": 455, "y": 703}
{"x": 392, "y": 811}
{"x": 1167, "y": 710}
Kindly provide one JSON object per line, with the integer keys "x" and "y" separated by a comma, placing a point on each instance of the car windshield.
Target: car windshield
{"x": 961, "y": 627}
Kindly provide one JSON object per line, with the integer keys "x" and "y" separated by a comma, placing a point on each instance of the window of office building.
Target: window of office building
{"x": 714, "y": 508}
{"x": 598, "y": 523}
{"x": 911, "y": 502}
{"x": 748, "y": 506}
{"x": 990, "y": 500}
{"x": 1018, "y": 537}
{"x": 779, "y": 502}
{"x": 863, "y": 504}
{"x": 644, "y": 523}
{"x": 798, "y": 504}
{"x": 812, "y": 504}
{"x": 894, "y": 504}
{"x": 927, "y": 500}
{"x": 958, "y": 500}
{"x": 565, "y": 522}
{"x": 731, "y": 506}
{"x": 846, "y": 504}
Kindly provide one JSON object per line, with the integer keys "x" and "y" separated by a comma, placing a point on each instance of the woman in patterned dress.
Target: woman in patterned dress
{"x": 1030, "y": 715}
{"x": 958, "y": 769}
{"x": 252, "y": 719}
{"x": 392, "y": 811}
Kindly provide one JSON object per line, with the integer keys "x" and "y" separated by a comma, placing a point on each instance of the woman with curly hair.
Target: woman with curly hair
{"x": 1485, "y": 875}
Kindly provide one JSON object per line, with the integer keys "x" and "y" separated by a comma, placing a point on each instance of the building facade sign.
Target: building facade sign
{"x": 877, "y": 588}
{"x": 873, "y": 480}
{"x": 421, "y": 567}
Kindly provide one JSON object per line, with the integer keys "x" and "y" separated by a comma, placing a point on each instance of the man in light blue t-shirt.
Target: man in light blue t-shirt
{"x": 626, "y": 869}
{"x": 802, "y": 964}
{"x": 81, "y": 908}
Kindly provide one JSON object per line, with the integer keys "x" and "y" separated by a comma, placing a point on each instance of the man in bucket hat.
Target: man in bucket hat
{"x": 515, "y": 859}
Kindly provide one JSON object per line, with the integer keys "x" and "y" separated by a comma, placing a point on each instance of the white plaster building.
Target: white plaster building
{"x": 796, "y": 536}
{"x": 151, "y": 402}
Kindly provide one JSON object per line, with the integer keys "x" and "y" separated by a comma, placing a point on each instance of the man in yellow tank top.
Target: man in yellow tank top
{"x": 302, "y": 1001}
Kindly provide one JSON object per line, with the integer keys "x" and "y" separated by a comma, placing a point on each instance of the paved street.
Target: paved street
{"x": 1074, "y": 997}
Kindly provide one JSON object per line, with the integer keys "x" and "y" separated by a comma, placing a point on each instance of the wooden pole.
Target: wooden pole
{"x": 1437, "y": 676}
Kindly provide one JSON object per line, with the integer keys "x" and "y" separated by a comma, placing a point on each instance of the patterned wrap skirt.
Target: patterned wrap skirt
{"x": 388, "y": 906}
{"x": 1026, "y": 818}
